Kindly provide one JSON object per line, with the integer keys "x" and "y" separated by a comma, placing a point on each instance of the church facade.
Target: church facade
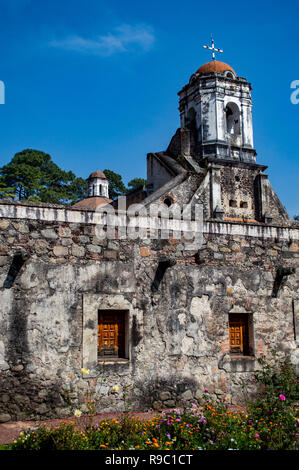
{"x": 153, "y": 320}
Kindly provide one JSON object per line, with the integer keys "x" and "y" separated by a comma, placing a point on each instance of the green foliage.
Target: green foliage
{"x": 276, "y": 377}
{"x": 116, "y": 185}
{"x": 64, "y": 437}
{"x": 32, "y": 175}
{"x": 5, "y": 191}
{"x": 296, "y": 217}
{"x": 136, "y": 183}
{"x": 274, "y": 406}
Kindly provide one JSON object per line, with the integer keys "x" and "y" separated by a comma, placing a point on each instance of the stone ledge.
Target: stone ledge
{"x": 113, "y": 361}
{"x": 60, "y": 214}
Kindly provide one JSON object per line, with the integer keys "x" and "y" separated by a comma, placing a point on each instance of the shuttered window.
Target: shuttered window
{"x": 111, "y": 333}
{"x": 238, "y": 334}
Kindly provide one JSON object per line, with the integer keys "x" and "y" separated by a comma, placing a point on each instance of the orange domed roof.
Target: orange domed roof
{"x": 97, "y": 174}
{"x": 214, "y": 66}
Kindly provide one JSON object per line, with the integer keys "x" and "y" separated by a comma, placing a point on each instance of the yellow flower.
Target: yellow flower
{"x": 85, "y": 371}
{"x": 115, "y": 388}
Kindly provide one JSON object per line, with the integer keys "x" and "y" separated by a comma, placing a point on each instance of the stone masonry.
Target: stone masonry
{"x": 178, "y": 334}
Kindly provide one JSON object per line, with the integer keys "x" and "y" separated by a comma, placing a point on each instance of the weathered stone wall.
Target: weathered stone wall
{"x": 178, "y": 343}
{"x": 238, "y": 187}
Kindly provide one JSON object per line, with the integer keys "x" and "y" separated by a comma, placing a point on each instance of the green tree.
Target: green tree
{"x": 116, "y": 185}
{"x": 32, "y": 175}
{"x": 296, "y": 217}
{"x": 6, "y": 192}
{"x": 136, "y": 183}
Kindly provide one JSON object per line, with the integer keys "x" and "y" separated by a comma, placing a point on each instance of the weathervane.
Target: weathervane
{"x": 213, "y": 48}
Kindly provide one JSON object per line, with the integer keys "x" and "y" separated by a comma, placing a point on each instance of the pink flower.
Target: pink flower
{"x": 256, "y": 435}
{"x": 206, "y": 390}
{"x": 282, "y": 397}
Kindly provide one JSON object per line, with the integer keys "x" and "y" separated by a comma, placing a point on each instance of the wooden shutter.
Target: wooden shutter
{"x": 111, "y": 333}
{"x": 237, "y": 333}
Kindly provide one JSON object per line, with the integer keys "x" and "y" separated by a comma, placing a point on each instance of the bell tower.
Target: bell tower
{"x": 97, "y": 185}
{"x": 216, "y": 111}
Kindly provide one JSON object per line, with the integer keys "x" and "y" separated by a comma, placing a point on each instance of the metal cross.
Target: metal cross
{"x": 213, "y": 48}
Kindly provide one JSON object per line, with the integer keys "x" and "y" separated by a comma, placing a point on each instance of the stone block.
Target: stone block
{"x": 169, "y": 403}
{"x": 5, "y": 417}
{"x": 22, "y": 227}
{"x": 17, "y": 368}
{"x": 41, "y": 247}
{"x": 5, "y": 398}
{"x": 78, "y": 251}
{"x": 94, "y": 249}
{"x": 235, "y": 247}
{"x": 66, "y": 241}
{"x": 4, "y": 224}
{"x": 144, "y": 251}
{"x": 49, "y": 233}
{"x": 83, "y": 239}
{"x": 65, "y": 232}
{"x": 157, "y": 405}
{"x": 42, "y": 409}
{"x": 4, "y": 260}
{"x": 60, "y": 250}
{"x": 110, "y": 254}
{"x": 112, "y": 245}
{"x": 3, "y": 248}
{"x": 187, "y": 395}
{"x": 165, "y": 396}
{"x": 224, "y": 249}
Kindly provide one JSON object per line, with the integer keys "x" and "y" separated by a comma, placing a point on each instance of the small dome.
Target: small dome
{"x": 215, "y": 66}
{"x": 97, "y": 174}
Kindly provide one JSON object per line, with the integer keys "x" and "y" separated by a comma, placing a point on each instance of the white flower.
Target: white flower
{"x": 78, "y": 413}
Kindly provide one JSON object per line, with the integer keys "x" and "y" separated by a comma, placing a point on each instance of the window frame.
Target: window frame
{"x": 246, "y": 320}
{"x": 125, "y": 345}
{"x": 92, "y": 303}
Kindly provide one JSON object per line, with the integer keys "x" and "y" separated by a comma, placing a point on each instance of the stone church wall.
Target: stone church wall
{"x": 55, "y": 274}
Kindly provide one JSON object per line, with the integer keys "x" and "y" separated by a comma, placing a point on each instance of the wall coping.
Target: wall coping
{"x": 66, "y": 214}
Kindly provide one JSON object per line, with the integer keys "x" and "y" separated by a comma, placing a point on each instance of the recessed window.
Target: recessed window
{"x": 168, "y": 201}
{"x": 240, "y": 334}
{"x": 112, "y": 334}
{"x": 232, "y": 113}
{"x": 232, "y": 203}
{"x": 243, "y": 205}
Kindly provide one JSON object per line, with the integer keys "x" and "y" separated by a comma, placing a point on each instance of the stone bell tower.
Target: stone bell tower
{"x": 216, "y": 114}
{"x": 97, "y": 185}
{"x": 215, "y": 142}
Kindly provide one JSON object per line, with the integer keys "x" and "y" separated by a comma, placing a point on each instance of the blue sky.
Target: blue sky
{"x": 94, "y": 83}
